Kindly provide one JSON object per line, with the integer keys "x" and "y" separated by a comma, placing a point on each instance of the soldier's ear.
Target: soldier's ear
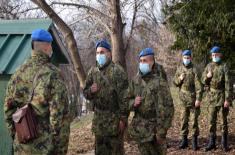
{"x": 32, "y": 45}
{"x": 109, "y": 54}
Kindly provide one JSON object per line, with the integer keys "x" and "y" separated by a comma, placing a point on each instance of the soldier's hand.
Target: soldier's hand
{"x": 181, "y": 77}
{"x": 121, "y": 126}
{"x": 197, "y": 104}
{"x": 226, "y": 104}
{"x": 94, "y": 88}
{"x": 209, "y": 74}
{"x": 137, "y": 101}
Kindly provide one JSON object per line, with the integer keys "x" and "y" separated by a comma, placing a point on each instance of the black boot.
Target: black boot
{"x": 211, "y": 145}
{"x": 194, "y": 143}
{"x": 184, "y": 142}
{"x": 224, "y": 142}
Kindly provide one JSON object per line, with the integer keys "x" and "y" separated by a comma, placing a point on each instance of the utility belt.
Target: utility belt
{"x": 216, "y": 89}
{"x": 187, "y": 90}
{"x": 149, "y": 115}
{"x": 218, "y": 86}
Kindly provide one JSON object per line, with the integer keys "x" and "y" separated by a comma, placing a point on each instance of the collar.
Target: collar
{"x": 106, "y": 65}
{"x": 189, "y": 66}
{"x": 39, "y": 56}
{"x": 217, "y": 63}
{"x": 149, "y": 75}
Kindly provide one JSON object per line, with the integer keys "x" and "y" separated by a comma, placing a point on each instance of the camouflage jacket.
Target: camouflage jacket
{"x": 107, "y": 102}
{"x": 49, "y": 102}
{"x": 154, "y": 115}
{"x": 190, "y": 87}
{"x": 220, "y": 87}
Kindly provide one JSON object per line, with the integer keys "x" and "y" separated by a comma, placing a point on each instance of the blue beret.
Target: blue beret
{"x": 41, "y": 35}
{"x": 146, "y": 51}
{"x": 103, "y": 43}
{"x": 215, "y": 49}
{"x": 187, "y": 52}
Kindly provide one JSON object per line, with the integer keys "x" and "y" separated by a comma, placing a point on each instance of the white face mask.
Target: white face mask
{"x": 144, "y": 68}
{"x": 216, "y": 59}
{"x": 186, "y": 62}
{"x": 101, "y": 59}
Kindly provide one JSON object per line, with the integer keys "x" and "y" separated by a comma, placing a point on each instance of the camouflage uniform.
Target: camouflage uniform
{"x": 190, "y": 91}
{"x": 219, "y": 90}
{"x": 108, "y": 108}
{"x": 154, "y": 115}
{"x": 49, "y": 102}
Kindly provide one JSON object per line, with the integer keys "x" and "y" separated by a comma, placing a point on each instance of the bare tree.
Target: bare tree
{"x": 111, "y": 19}
{"x": 8, "y": 9}
{"x": 69, "y": 39}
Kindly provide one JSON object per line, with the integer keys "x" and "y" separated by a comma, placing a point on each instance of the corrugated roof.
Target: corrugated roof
{"x": 25, "y": 26}
{"x": 15, "y": 42}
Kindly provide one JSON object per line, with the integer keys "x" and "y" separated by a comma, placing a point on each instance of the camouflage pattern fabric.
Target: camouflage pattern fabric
{"x": 185, "y": 118}
{"x": 50, "y": 103}
{"x": 107, "y": 102}
{"x": 220, "y": 87}
{"x": 190, "y": 91}
{"x": 219, "y": 90}
{"x": 152, "y": 148}
{"x": 213, "y": 115}
{"x": 111, "y": 145}
{"x": 190, "y": 87}
{"x": 153, "y": 117}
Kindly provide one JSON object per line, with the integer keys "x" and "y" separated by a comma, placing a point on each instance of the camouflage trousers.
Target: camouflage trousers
{"x": 109, "y": 145}
{"x": 185, "y": 117}
{"x": 39, "y": 146}
{"x": 43, "y": 145}
{"x": 27, "y": 150}
{"x": 152, "y": 148}
{"x": 212, "y": 118}
{"x": 64, "y": 139}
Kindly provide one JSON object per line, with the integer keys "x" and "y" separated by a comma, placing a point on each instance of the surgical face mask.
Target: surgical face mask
{"x": 186, "y": 62}
{"x": 216, "y": 59}
{"x": 101, "y": 59}
{"x": 144, "y": 68}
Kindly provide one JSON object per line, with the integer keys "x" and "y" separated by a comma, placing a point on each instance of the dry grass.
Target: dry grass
{"x": 81, "y": 138}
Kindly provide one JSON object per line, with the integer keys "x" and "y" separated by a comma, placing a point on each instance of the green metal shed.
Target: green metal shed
{"x": 15, "y": 49}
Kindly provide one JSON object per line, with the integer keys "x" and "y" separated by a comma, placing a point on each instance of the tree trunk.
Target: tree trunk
{"x": 117, "y": 34}
{"x": 69, "y": 39}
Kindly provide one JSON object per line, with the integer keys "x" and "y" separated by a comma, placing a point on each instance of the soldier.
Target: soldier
{"x": 48, "y": 100}
{"x": 104, "y": 87}
{"x": 187, "y": 80}
{"x": 149, "y": 97}
{"x": 217, "y": 79}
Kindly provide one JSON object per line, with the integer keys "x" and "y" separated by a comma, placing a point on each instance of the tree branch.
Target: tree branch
{"x": 132, "y": 26}
{"x": 29, "y": 9}
{"x": 89, "y": 8}
{"x": 92, "y": 11}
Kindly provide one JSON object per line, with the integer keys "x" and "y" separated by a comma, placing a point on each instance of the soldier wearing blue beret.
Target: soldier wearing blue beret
{"x": 104, "y": 87}
{"x": 149, "y": 97}
{"x": 39, "y": 82}
{"x": 216, "y": 77}
{"x": 187, "y": 80}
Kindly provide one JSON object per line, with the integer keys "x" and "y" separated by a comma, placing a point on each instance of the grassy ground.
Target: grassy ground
{"x": 81, "y": 138}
